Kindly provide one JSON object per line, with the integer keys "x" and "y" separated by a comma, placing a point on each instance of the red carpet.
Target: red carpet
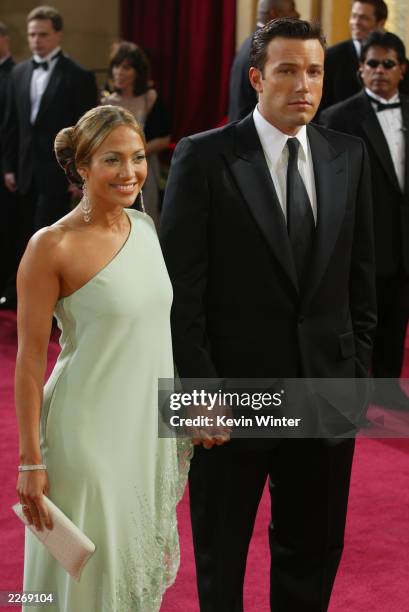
{"x": 374, "y": 574}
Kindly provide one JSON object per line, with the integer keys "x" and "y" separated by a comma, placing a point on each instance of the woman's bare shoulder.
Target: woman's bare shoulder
{"x": 51, "y": 243}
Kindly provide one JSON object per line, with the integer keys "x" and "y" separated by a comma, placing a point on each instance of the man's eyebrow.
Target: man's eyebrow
{"x": 315, "y": 65}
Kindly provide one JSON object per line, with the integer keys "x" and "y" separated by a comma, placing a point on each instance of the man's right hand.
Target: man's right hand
{"x": 10, "y": 181}
{"x": 212, "y": 434}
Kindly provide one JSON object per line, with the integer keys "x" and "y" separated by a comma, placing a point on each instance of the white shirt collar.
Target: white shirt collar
{"x": 4, "y": 59}
{"x": 48, "y": 57}
{"x": 358, "y": 46}
{"x": 274, "y": 141}
{"x": 392, "y": 100}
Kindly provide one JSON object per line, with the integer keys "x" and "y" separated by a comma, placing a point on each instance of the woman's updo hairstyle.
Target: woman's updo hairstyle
{"x": 74, "y": 146}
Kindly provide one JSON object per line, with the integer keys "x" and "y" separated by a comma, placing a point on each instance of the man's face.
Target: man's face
{"x": 42, "y": 38}
{"x": 363, "y": 20}
{"x": 285, "y": 8}
{"x": 382, "y": 81}
{"x": 290, "y": 88}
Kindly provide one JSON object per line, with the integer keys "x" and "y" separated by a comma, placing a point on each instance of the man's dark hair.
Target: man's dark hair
{"x": 47, "y": 12}
{"x": 3, "y": 29}
{"x": 386, "y": 40}
{"x": 380, "y": 8}
{"x": 283, "y": 28}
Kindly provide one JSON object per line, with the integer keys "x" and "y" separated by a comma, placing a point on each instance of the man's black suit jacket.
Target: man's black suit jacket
{"x": 242, "y": 96}
{"x": 237, "y": 309}
{"x": 391, "y": 206}
{"x": 29, "y": 149}
{"x": 341, "y": 74}
{"x": 5, "y": 69}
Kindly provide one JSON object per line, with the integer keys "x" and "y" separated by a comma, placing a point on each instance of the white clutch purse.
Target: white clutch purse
{"x": 65, "y": 542}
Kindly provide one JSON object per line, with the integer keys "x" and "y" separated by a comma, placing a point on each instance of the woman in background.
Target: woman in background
{"x": 129, "y": 70}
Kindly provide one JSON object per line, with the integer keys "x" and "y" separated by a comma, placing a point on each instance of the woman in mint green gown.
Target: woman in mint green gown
{"x": 102, "y": 273}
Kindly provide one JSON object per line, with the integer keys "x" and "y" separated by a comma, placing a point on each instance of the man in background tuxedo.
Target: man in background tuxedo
{"x": 267, "y": 235}
{"x": 47, "y": 92}
{"x": 342, "y": 60}
{"x": 7, "y": 199}
{"x": 242, "y": 97}
{"x": 380, "y": 116}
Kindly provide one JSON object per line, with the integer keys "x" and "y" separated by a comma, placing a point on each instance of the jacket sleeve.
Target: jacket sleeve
{"x": 184, "y": 239}
{"x": 87, "y": 93}
{"x": 362, "y": 288}
{"x": 9, "y": 131}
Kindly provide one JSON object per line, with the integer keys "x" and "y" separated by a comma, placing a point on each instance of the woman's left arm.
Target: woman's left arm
{"x": 157, "y": 145}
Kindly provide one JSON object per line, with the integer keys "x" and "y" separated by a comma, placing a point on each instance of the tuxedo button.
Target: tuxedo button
{"x": 301, "y": 319}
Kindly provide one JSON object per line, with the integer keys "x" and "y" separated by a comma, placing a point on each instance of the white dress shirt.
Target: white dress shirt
{"x": 392, "y": 126}
{"x": 39, "y": 81}
{"x": 358, "y": 46}
{"x": 274, "y": 144}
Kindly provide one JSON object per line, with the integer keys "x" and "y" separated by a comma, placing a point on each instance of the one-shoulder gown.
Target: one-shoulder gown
{"x": 108, "y": 470}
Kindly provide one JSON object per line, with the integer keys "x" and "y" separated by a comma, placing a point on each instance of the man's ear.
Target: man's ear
{"x": 403, "y": 68}
{"x": 256, "y": 79}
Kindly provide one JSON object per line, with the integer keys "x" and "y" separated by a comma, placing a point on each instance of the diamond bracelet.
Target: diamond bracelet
{"x": 31, "y": 468}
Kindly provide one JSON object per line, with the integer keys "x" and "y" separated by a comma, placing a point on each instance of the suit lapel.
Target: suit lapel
{"x": 353, "y": 57}
{"x": 376, "y": 137}
{"x": 405, "y": 120}
{"x": 51, "y": 88}
{"x": 330, "y": 172}
{"x": 249, "y": 168}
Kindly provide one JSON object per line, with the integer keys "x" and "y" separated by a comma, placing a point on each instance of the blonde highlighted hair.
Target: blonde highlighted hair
{"x": 74, "y": 146}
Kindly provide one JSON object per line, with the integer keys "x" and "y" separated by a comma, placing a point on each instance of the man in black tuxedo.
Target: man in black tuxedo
{"x": 7, "y": 199}
{"x": 242, "y": 97}
{"x": 380, "y": 116}
{"x": 267, "y": 235}
{"x": 47, "y": 92}
{"x": 342, "y": 60}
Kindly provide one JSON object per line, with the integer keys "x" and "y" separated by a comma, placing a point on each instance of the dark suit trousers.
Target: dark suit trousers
{"x": 309, "y": 485}
{"x": 393, "y": 310}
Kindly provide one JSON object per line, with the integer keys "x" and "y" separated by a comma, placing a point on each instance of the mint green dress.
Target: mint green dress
{"x": 108, "y": 470}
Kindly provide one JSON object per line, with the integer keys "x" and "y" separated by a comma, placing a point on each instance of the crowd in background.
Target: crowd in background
{"x": 49, "y": 91}
{"x": 38, "y": 97}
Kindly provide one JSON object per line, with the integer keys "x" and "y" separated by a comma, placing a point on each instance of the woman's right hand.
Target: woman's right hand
{"x": 31, "y": 486}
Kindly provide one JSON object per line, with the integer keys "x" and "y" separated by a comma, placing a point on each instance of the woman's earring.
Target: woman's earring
{"x": 85, "y": 203}
{"x": 142, "y": 205}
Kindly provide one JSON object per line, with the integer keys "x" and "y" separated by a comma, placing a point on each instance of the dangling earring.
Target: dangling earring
{"x": 142, "y": 205}
{"x": 85, "y": 203}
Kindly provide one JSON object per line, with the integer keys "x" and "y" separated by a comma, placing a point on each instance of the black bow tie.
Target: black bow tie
{"x": 380, "y": 106}
{"x": 43, "y": 65}
{"x": 46, "y": 64}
